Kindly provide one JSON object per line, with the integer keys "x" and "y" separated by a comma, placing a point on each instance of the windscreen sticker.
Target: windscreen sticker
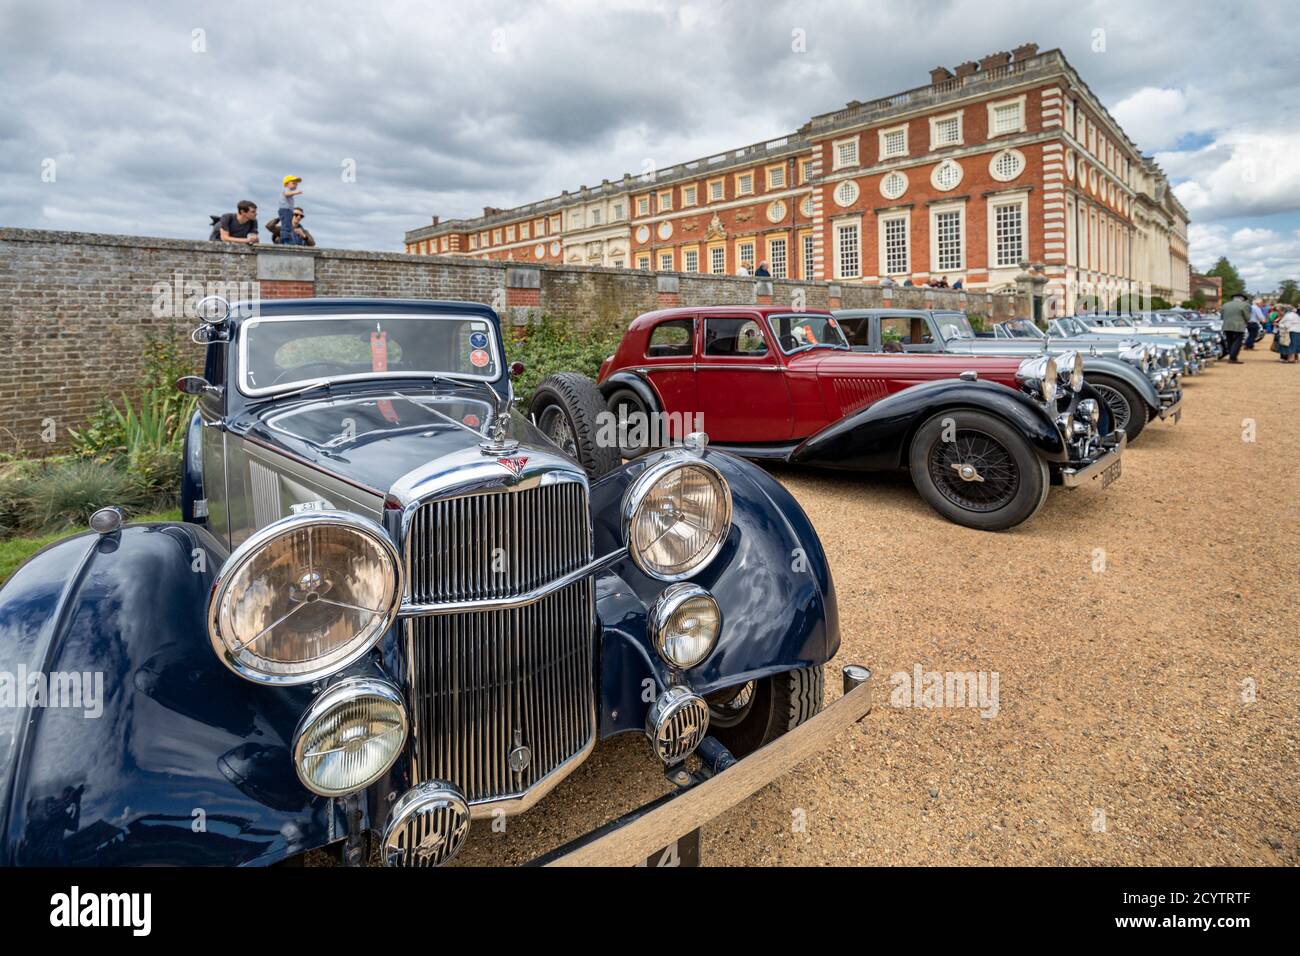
{"x": 478, "y": 340}
{"x": 379, "y": 351}
{"x": 479, "y": 358}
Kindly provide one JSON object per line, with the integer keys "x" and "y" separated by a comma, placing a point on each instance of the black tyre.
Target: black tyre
{"x": 746, "y": 717}
{"x": 567, "y": 408}
{"x": 629, "y": 407}
{"x": 978, "y": 471}
{"x": 1127, "y": 409}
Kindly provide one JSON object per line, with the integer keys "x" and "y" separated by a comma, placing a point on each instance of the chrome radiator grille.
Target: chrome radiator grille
{"x": 483, "y": 685}
{"x": 497, "y": 545}
{"x": 499, "y": 699}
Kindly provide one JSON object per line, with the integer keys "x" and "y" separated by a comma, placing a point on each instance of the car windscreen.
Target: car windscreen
{"x": 280, "y": 353}
{"x": 1022, "y": 329}
{"x": 803, "y": 329}
{"x": 954, "y": 325}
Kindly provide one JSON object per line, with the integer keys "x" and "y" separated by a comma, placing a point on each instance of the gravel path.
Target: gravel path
{"x": 1126, "y": 628}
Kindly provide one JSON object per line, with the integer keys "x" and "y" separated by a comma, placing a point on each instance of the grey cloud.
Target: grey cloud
{"x": 446, "y": 108}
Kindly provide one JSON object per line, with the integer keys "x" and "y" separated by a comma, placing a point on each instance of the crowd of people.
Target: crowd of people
{"x": 1246, "y": 323}
{"x": 286, "y": 228}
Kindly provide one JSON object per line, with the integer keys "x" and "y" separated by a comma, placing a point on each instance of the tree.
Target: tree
{"x": 1288, "y": 293}
{"x": 1232, "y": 281}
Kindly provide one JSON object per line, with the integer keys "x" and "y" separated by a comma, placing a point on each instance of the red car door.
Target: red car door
{"x": 669, "y": 364}
{"x": 740, "y": 381}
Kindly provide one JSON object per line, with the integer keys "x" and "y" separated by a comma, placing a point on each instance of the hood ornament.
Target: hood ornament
{"x": 498, "y": 442}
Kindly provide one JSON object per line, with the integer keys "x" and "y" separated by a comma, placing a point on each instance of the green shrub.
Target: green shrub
{"x": 65, "y": 493}
{"x": 978, "y": 321}
{"x": 148, "y": 432}
{"x": 553, "y": 345}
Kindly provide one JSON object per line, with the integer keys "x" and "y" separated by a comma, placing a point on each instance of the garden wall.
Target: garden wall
{"x": 76, "y": 309}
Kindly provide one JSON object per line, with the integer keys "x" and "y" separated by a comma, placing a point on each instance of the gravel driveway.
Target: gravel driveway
{"x": 1129, "y": 629}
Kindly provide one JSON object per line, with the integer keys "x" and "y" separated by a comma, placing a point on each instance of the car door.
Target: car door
{"x": 742, "y": 389}
{"x": 669, "y": 366}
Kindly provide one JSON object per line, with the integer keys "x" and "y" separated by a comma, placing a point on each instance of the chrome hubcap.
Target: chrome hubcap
{"x": 966, "y": 472}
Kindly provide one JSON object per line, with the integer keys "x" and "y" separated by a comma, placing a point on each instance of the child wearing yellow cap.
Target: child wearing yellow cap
{"x": 288, "y": 236}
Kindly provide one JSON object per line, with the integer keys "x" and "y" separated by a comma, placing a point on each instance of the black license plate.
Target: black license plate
{"x": 1110, "y": 473}
{"x": 684, "y": 851}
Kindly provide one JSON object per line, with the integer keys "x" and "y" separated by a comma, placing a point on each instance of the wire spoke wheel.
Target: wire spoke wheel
{"x": 555, "y": 425}
{"x": 974, "y": 471}
{"x": 1117, "y": 403}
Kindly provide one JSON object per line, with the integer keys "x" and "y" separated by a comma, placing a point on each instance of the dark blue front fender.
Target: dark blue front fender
{"x": 771, "y": 579}
{"x": 178, "y": 761}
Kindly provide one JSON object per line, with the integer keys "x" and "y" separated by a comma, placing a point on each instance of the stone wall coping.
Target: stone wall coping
{"x": 204, "y": 246}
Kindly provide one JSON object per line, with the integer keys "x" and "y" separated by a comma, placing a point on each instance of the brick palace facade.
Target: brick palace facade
{"x": 1004, "y": 161}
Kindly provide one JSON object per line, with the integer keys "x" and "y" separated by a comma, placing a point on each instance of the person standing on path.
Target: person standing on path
{"x": 287, "y": 235}
{"x": 1288, "y": 337}
{"x": 1235, "y": 316}
{"x": 1255, "y": 324}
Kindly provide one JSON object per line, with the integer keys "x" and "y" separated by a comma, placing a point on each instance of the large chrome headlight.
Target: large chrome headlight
{"x": 1165, "y": 356}
{"x": 684, "y": 624}
{"x": 349, "y": 736}
{"x": 1139, "y": 356}
{"x": 1039, "y": 374}
{"x": 1070, "y": 370}
{"x": 304, "y": 597}
{"x": 676, "y": 517}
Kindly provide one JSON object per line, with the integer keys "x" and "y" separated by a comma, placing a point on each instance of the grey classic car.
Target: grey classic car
{"x": 1134, "y": 384}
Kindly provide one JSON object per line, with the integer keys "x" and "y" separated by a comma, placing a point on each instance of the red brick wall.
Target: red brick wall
{"x": 280, "y": 289}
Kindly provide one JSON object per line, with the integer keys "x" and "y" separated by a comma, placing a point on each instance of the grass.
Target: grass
{"x": 14, "y": 551}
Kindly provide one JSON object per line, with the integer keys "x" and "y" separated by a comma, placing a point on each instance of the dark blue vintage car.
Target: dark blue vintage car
{"x": 395, "y": 605}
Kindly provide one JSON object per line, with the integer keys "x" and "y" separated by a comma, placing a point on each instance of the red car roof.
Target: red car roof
{"x": 651, "y": 318}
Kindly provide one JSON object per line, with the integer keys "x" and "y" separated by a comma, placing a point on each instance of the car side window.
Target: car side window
{"x": 856, "y": 330}
{"x": 736, "y": 337}
{"x": 671, "y": 338}
{"x": 898, "y": 332}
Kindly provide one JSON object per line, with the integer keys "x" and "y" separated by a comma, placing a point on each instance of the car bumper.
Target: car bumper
{"x": 1115, "y": 444}
{"x": 701, "y": 796}
{"x": 1171, "y": 406}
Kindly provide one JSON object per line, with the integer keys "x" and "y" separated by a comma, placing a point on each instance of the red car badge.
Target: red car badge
{"x": 514, "y": 465}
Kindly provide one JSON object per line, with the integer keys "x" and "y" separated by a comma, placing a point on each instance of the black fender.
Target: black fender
{"x": 771, "y": 579}
{"x": 877, "y": 437}
{"x": 192, "y": 469}
{"x": 1104, "y": 366}
{"x": 636, "y": 383}
{"x": 177, "y": 760}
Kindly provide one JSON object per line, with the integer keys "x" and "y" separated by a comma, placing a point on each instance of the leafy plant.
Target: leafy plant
{"x": 978, "y": 321}
{"x": 150, "y": 431}
{"x": 65, "y": 493}
{"x": 553, "y": 345}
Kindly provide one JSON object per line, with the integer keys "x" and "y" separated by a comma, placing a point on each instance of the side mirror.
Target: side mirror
{"x": 194, "y": 385}
{"x": 516, "y": 369}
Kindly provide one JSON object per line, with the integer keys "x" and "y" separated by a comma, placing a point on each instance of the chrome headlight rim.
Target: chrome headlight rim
{"x": 1069, "y": 366}
{"x": 635, "y": 497}
{"x": 668, "y": 604}
{"x": 1040, "y": 370}
{"x": 253, "y": 546}
{"x": 345, "y": 691}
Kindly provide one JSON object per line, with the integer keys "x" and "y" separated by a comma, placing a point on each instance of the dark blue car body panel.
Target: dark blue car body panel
{"x": 188, "y": 764}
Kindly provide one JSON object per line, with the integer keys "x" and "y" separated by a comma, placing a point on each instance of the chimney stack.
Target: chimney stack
{"x": 435, "y": 221}
{"x": 1024, "y": 51}
{"x": 940, "y": 74}
{"x": 994, "y": 60}
{"x": 967, "y": 68}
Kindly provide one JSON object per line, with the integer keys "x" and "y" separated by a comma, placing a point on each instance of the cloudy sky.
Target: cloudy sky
{"x": 146, "y": 118}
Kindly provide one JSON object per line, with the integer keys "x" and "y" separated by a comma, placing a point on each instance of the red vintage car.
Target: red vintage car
{"x": 982, "y": 437}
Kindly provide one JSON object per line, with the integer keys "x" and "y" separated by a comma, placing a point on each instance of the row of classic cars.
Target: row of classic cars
{"x": 394, "y": 604}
